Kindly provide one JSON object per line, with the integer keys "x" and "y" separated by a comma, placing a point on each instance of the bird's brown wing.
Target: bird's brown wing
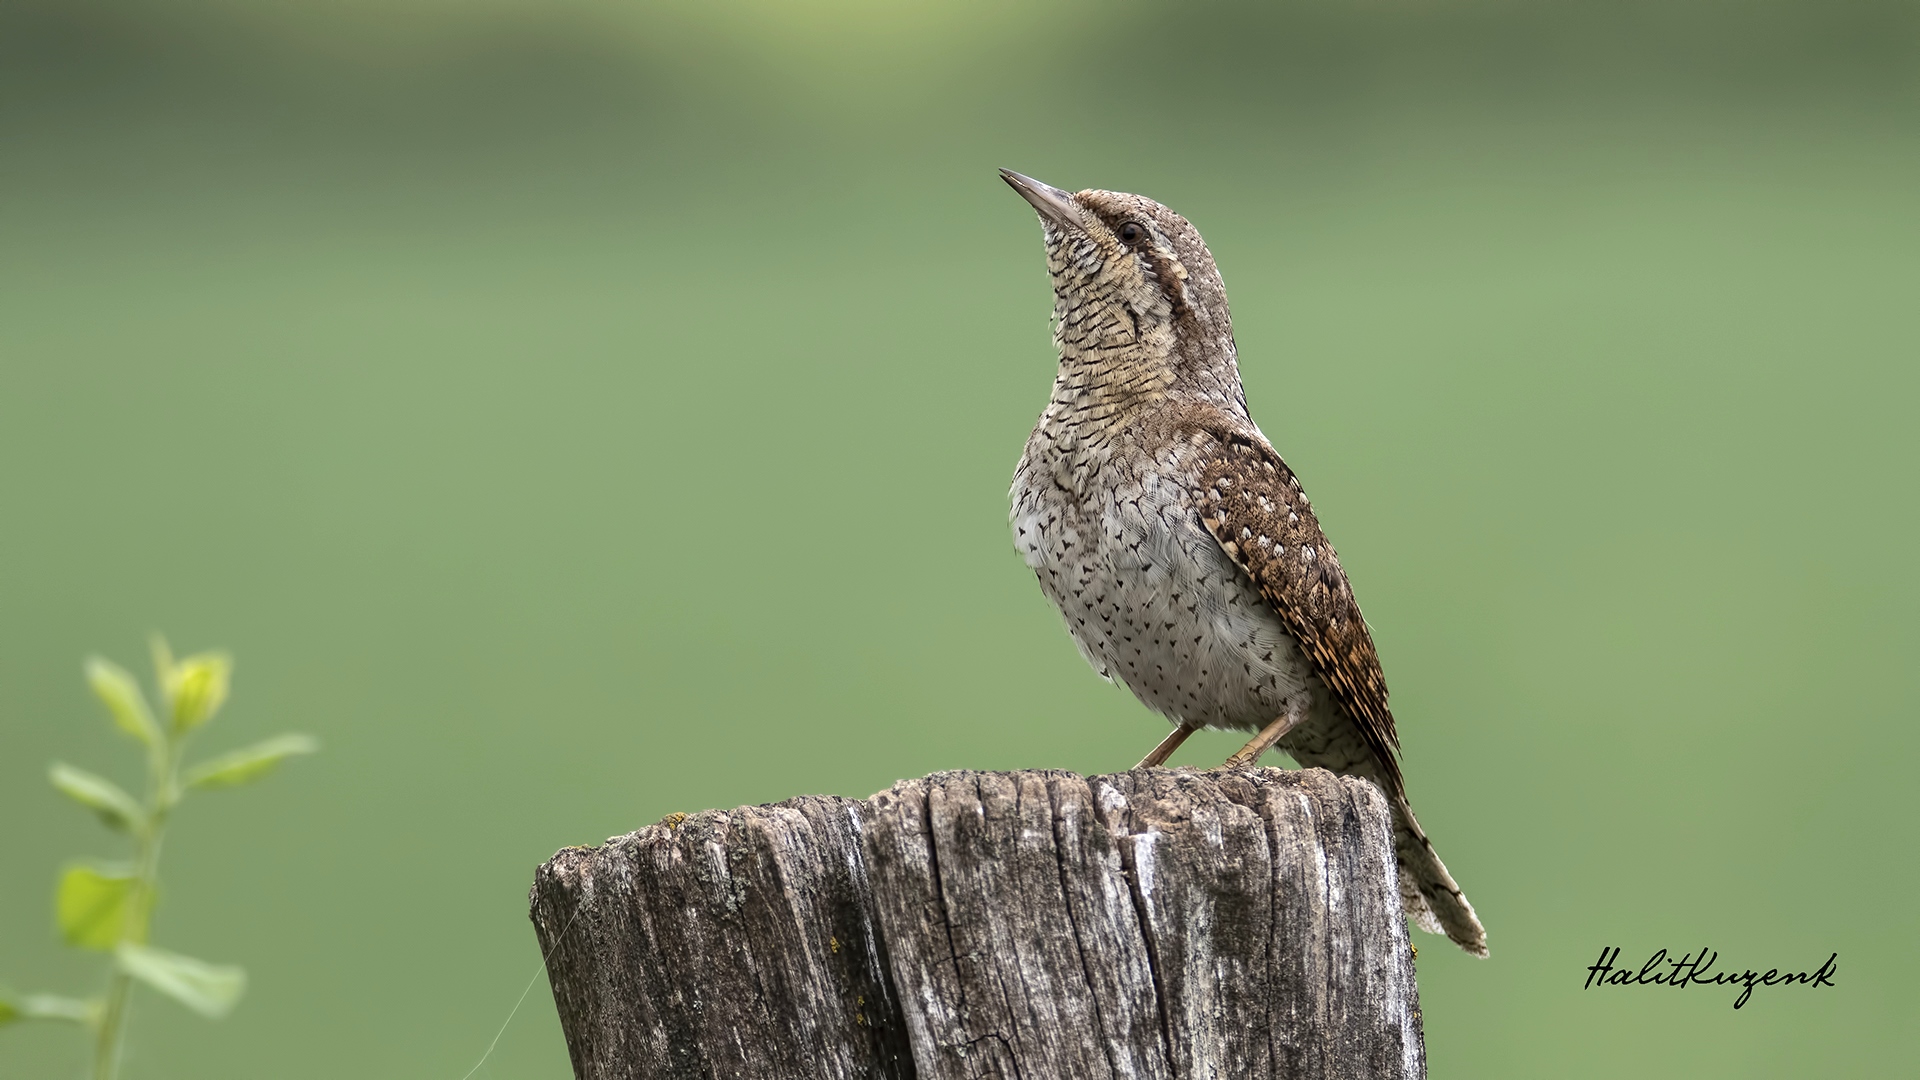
{"x": 1253, "y": 505}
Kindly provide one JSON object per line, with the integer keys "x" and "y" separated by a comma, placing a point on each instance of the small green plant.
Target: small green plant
{"x": 108, "y": 907}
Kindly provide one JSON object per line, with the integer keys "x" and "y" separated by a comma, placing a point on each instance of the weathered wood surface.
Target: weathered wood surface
{"x": 1152, "y": 924}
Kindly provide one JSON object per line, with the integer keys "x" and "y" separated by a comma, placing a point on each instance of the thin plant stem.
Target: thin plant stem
{"x": 163, "y": 763}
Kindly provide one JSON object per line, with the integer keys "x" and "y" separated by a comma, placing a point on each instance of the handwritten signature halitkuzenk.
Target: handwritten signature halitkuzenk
{"x": 1696, "y": 969}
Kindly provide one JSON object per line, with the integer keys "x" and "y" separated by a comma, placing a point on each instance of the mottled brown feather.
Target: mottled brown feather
{"x": 1254, "y": 506}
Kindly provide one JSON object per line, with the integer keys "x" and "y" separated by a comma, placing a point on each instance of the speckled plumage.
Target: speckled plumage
{"x": 1180, "y": 549}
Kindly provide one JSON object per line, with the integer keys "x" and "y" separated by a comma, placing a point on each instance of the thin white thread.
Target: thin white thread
{"x": 544, "y": 953}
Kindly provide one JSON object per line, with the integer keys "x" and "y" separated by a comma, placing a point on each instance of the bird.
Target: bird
{"x": 1178, "y": 546}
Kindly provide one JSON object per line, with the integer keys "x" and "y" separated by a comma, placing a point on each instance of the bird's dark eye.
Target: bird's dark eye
{"x": 1131, "y": 233}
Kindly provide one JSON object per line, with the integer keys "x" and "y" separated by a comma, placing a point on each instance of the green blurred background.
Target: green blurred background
{"x": 573, "y": 413}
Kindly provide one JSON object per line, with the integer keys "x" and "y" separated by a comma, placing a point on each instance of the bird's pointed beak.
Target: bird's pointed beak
{"x": 1053, "y": 204}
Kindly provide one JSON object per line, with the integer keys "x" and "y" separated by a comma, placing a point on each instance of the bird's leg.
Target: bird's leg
{"x": 1272, "y": 733}
{"x": 1167, "y": 746}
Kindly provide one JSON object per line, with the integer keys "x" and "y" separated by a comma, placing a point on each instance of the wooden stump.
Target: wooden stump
{"x": 1155, "y": 923}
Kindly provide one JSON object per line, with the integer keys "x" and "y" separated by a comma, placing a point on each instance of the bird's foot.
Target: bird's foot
{"x": 1167, "y": 746}
{"x": 1272, "y": 733}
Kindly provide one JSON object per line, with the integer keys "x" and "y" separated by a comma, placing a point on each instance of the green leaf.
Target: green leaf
{"x": 122, "y": 695}
{"x": 100, "y": 795}
{"x": 8, "y": 1013}
{"x": 95, "y": 907}
{"x": 212, "y": 990}
{"x": 196, "y": 688}
{"x": 162, "y": 660}
{"x": 249, "y": 763}
{"x": 55, "y": 1007}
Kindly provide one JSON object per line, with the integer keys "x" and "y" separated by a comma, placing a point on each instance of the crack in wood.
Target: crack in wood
{"x": 1257, "y": 934}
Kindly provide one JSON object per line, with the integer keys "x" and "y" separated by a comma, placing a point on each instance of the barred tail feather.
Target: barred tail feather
{"x": 1430, "y": 896}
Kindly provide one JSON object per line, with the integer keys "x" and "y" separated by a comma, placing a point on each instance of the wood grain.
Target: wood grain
{"x": 1152, "y": 924}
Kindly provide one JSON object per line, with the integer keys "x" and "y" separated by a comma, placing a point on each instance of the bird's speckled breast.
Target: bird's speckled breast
{"x": 1153, "y": 602}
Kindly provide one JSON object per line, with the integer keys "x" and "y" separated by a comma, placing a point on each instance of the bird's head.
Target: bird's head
{"x": 1133, "y": 286}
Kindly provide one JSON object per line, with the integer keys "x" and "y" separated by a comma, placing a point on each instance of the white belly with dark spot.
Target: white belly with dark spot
{"x": 1155, "y": 604}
